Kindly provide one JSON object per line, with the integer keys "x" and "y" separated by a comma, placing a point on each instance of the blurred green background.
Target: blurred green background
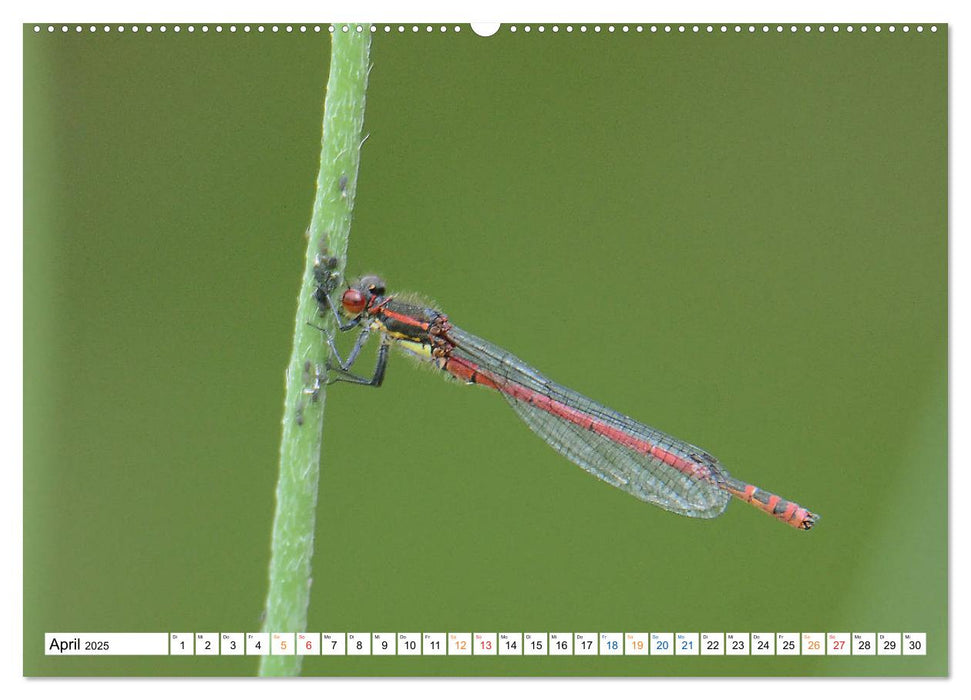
{"x": 739, "y": 238}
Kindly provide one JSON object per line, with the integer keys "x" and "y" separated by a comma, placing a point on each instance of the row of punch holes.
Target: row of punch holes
{"x": 488, "y": 29}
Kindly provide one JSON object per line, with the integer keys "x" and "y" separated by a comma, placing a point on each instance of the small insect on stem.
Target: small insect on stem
{"x": 312, "y": 380}
{"x": 325, "y": 276}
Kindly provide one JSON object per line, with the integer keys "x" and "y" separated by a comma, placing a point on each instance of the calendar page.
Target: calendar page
{"x": 630, "y": 357}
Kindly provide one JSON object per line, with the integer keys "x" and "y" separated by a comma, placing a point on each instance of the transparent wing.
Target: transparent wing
{"x": 640, "y": 474}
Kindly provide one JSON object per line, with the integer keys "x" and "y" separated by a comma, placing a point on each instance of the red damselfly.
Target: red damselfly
{"x": 643, "y": 461}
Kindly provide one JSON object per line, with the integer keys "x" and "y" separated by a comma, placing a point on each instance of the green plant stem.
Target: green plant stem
{"x": 300, "y": 449}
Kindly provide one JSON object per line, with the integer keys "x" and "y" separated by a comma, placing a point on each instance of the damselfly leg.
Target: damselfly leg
{"x": 342, "y": 373}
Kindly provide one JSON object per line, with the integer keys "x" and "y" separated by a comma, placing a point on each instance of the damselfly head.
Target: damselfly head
{"x": 356, "y": 299}
{"x": 371, "y": 284}
{"x": 325, "y": 272}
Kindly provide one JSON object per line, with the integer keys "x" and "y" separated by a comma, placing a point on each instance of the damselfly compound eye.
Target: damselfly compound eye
{"x": 353, "y": 301}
